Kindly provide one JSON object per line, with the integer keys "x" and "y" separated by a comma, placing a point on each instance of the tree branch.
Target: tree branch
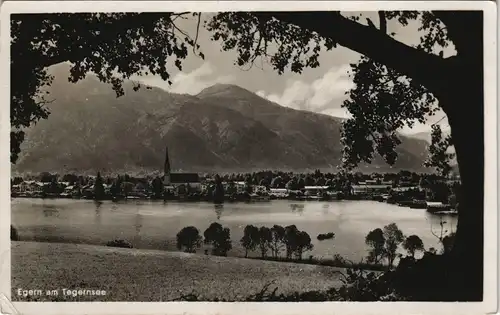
{"x": 427, "y": 69}
{"x": 458, "y": 26}
{"x": 383, "y": 22}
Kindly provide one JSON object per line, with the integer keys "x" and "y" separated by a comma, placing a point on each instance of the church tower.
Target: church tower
{"x": 166, "y": 178}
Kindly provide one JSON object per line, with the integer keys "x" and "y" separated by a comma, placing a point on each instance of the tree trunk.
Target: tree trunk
{"x": 465, "y": 103}
{"x": 468, "y": 135}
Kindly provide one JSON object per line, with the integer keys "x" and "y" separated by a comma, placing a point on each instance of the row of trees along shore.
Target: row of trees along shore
{"x": 396, "y": 85}
{"x": 271, "y": 242}
{"x": 268, "y": 178}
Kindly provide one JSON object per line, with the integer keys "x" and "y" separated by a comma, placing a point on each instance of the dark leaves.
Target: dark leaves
{"x": 257, "y": 35}
{"x": 439, "y": 157}
{"x": 114, "y": 46}
{"x": 382, "y": 103}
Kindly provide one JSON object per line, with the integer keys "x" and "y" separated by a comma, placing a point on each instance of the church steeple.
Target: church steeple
{"x": 166, "y": 169}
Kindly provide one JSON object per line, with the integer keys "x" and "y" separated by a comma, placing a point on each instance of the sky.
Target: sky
{"x": 320, "y": 90}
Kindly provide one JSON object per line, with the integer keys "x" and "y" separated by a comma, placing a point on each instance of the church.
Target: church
{"x": 179, "y": 181}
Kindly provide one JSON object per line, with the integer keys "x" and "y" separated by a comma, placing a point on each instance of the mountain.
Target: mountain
{"x": 426, "y": 136}
{"x": 223, "y": 128}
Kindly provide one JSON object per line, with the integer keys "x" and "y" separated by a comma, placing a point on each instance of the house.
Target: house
{"x": 314, "y": 190}
{"x": 36, "y": 187}
{"x": 139, "y": 189}
{"x": 406, "y": 188}
{"x": 259, "y": 189}
{"x": 189, "y": 181}
{"x": 240, "y": 187}
{"x": 279, "y": 192}
{"x": 370, "y": 189}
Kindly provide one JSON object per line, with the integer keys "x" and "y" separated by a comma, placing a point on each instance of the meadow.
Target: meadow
{"x": 152, "y": 275}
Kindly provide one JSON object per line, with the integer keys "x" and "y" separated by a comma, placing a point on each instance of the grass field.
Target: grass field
{"x": 151, "y": 275}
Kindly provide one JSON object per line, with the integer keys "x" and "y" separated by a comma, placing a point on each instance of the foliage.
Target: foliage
{"x": 250, "y": 238}
{"x": 393, "y": 238}
{"x": 448, "y": 242}
{"x": 119, "y": 243}
{"x": 413, "y": 244}
{"x": 327, "y": 236}
{"x": 252, "y": 34}
{"x": 303, "y": 243}
{"x": 376, "y": 240}
{"x": 439, "y": 157}
{"x": 432, "y": 250}
{"x": 126, "y": 187}
{"x": 291, "y": 232}
{"x": 219, "y": 237}
{"x": 382, "y": 103}
{"x": 383, "y": 100}
{"x": 218, "y": 193}
{"x": 277, "y": 239}
{"x": 99, "y": 187}
{"x": 189, "y": 238}
{"x": 92, "y": 42}
{"x": 157, "y": 187}
{"x": 265, "y": 239}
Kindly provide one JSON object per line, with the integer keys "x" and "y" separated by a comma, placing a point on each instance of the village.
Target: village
{"x": 424, "y": 191}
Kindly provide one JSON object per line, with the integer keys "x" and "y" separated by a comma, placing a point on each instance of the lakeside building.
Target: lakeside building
{"x": 314, "y": 190}
{"x": 370, "y": 189}
{"x": 29, "y": 186}
{"x": 179, "y": 182}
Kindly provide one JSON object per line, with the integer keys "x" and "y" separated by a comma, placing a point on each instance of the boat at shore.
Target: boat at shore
{"x": 438, "y": 207}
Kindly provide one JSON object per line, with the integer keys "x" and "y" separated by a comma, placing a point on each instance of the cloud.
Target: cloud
{"x": 322, "y": 95}
{"x": 191, "y": 82}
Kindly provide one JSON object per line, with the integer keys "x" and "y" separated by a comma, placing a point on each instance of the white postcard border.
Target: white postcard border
{"x": 491, "y": 219}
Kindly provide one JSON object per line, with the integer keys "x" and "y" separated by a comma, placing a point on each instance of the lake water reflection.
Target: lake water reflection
{"x": 152, "y": 224}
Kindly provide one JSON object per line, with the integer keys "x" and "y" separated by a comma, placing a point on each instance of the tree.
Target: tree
{"x": 447, "y": 242}
{"x": 248, "y": 185}
{"x": 290, "y": 240}
{"x": 189, "y": 238}
{"x": 70, "y": 178}
{"x": 277, "y": 239}
{"x": 126, "y": 187}
{"x": 45, "y": 177}
{"x": 276, "y": 182}
{"x": 303, "y": 244}
{"x": 291, "y": 184}
{"x": 218, "y": 194}
{"x": 157, "y": 187}
{"x": 99, "y": 187}
{"x": 412, "y": 244}
{"x": 423, "y": 73}
{"x": 93, "y": 41}
{"x": 265, "y": 239}
{"x": 250, "y": 238}
{"x": 376, "y": 240}
{"x": 219, "y": 237}
{"x": 393, "y": 238}
{"x": 116, "y": 187}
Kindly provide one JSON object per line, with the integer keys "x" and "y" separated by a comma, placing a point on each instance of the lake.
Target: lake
{"x": 154, "y": 224}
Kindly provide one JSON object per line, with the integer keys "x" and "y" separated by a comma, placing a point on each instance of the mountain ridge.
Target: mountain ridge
{"x": 222, "y": 128}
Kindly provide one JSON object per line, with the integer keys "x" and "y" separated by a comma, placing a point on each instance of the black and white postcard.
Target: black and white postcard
{"x": 249, "y": 153}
